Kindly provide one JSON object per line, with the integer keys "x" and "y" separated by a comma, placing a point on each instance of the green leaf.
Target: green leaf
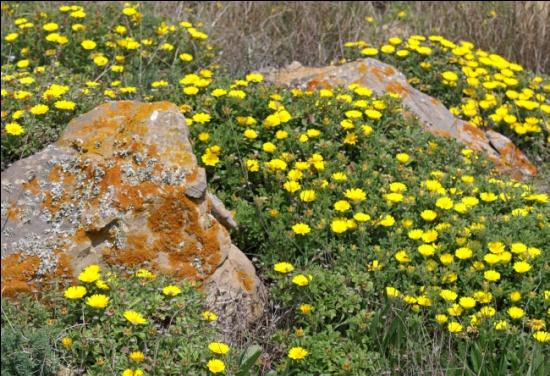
{"x": 248, "y": 359}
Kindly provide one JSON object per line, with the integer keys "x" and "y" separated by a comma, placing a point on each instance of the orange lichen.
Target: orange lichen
{"x": 18, "y": 272}
{"x": 64, "y": 268}
{"x": 474, "y": 131}
{"x": 378, "y": 73}
{"x": 13, "y": 212}
{"x": 245, "y": 280}
{"x": 440, "y": 132}
{"x": 80, "y": 236}
{"x": 134, "y": 196}
{"x": 132, "y": 257}
{"x": 318, "y": 83}
{"x": 388, "y": 71}
{"x": 396, "y": 87}
{"x": 32, "y": 185}
{"x": 55, "y": 174}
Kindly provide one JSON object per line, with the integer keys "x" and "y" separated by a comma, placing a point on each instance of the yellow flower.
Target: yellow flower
{"x": 88, "y": 44}
{"x": 355, "y": 194}
{"x": 415, "y": 234}
{"x": 254, "y": 77}
{"x": 463, "y": 253}
{"x": 541, "y": 336}
{"x": 455, "y": 310}
{"x": 39, "y": 109}
{"x": 301, "y": 280}
{"x": 129, "y": 11}
{"x": 441, "y": 318}
{"x": 373, "y": 114}
{"x": 515, "y": 296}
{"x": 269, "y": 147}
{"x": 216, "y": 366}
{"x": 250, "y": 134}
{"x": 66, "y": 342}
{"x": 402, "y": 157}
{"x": 392, "y": 292}
{"x": 339, "y": 226}
{"x": 387, "y": 220}
{"x": 518, "y": 248}
{"x": 402, "y": 257}
{"x": 448, "y": 295}
{"x": 14, "y": 129}
{"x": 487, "y": 311}
{"x": 11, "y": 37}
{"x": 428, "y": 215}
{"x": 496, "y": 247}
{"x": 467, "y": 302}
{"x": 218, "y": 93}
{"x": 292, "y": 186}
{"x": 430, "y": 236}
{"x": 449, "y": 76}
{"x": 276, "y": 165}
{"x": 361, "y": 217}
{"x": 446, "y": 259}
{"x": 305, "y": 308}
{"x": 171, "y": 290}
{"x": 515, "y": 312}
{"x": 454, "y": 327}
{"x": 100, "y": 60}
{"x": 444, "y": 203}
{"x": 252, "y": 165}
{"x": 283, "y": 267}
{"x": 201, "y": 117}
{"x": 491, "y": 275}
{"x": 136, "y": 356}
{"x": 65, "y": 105}
{"x": 488, "y": 196}
{"x": 50, "y": 26}
{"x": 218, "y": 348}
{"x": 98, "y": 301}
{"x": 134, "y": 317}
{"x": 297, "y": 353}
{"x": 209, "y": 316}
{"x": 301, "y": 229}
{"x": 90, "y": 274}
{"x": 393, "y": 197}
{"x": 522, "y": 267}
{"x": 369, "y": 51}
{"x": 75, "y": 292}
{"x": 426, "y": 250}
{"x": 210, "y": 159}
{"x": 342, "y": 205}
{"x": 145, "y": 274}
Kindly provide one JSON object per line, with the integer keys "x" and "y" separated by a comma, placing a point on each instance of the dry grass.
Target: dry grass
{"x": 255, "y": 35}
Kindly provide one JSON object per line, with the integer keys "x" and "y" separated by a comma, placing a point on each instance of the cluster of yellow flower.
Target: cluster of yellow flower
{"x": 448, "y": 215}
{"x": 72, "y": 37}
{"x": 297, "y": 352}
{"x": 92, "y": 278}
{"x": 482, "y": 87}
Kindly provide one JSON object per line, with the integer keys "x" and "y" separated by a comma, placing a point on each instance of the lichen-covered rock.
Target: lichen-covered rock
{"x": 121, "y": 186}
{"x": 435, "y": 118}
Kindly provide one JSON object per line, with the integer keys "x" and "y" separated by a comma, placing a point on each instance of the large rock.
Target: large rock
{"x": 122, "y": 186}
{"x": 435, "y": 118}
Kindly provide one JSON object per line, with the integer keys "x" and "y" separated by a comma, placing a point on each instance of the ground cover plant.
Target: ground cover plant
{"x": 385, "y": 249}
